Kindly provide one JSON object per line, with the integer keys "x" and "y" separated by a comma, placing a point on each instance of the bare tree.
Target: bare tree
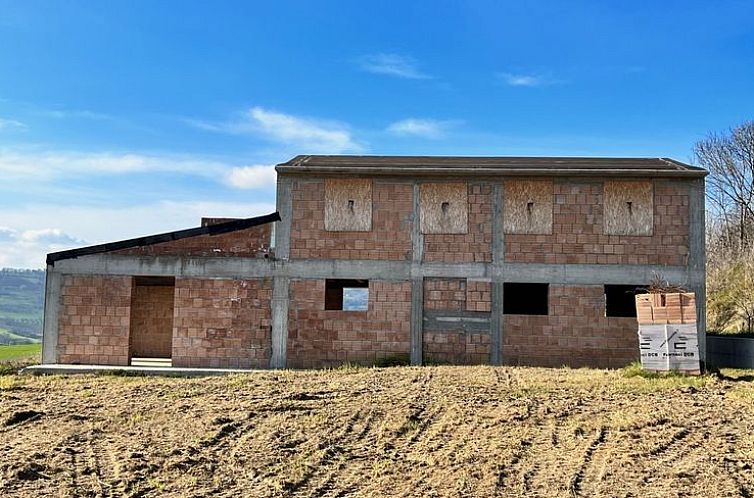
{"x": 729, "y": 158}
{"x": 730, "y": 232}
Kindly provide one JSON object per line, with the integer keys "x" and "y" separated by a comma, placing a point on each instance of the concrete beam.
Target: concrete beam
{"x": 53, "y": 285}
{"x": 228, "y": 267}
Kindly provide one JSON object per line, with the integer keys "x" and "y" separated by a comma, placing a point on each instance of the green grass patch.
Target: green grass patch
{"x": 19, "y": 351}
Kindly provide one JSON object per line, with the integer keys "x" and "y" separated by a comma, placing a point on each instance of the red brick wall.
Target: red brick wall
{"x": 152, "y": 321}
{"x": 94, "y": 320}
{"x": 250, "y": 242}
{"x": 576, "y": 333}
{"x": 474, "y": 246}
{"x": 478, "y": 295}
{"x": 578, "y": 230}
{"x": 319, "y": 338}
{"x": 222, "y": 323}
{"x": 390, "y": 237}
{"x": 445, "y": 294}
{"x": 456, "y": 346}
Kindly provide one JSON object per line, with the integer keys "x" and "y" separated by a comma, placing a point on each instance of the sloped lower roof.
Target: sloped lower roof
{"x": 490, "y": 166}
{"x": 217, "y": 229}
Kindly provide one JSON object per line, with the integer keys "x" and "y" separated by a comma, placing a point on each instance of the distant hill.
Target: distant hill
{"x": 21, "y": 305}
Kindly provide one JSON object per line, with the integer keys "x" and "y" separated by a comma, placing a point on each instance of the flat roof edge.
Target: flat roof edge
{"x": 488, "y": 172}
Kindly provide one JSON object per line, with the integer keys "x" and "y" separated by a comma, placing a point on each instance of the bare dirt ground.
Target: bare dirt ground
{"x": 433, "y": 431}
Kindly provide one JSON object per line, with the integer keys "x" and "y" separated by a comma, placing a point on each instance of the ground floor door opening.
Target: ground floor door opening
{"x": 151, "y": 334}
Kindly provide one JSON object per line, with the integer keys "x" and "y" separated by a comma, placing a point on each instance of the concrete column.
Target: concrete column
{"x": 53, "y": 285}
{"x": 285, "y": 208}
{"x": 698, "y": 260}
{"x": 280, "y": 294}
{"x": 417, "y": 285}
{"x": 498, "y": 259}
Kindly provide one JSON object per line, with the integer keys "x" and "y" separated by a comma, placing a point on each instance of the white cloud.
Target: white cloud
{"x": 7, "y": 234}
{"x": 392, "y": 65}
{"x": 305, "y": 135}
{"x": 50, "y": 236}
{"x": 50, "y": 165}
{"x": 28, "y": 237}
{"x": 528, "y": 80}
{"x": 308, "y": 134}
{"x": 425, "y": 128}
{"x": 12, "y": 124}
{"x": 250, "y": 177}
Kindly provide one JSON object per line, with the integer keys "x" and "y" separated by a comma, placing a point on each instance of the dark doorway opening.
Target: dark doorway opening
{"x": 151, "y": 331}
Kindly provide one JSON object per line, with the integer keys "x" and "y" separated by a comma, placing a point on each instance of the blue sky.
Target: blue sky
{"x": 120, "y": 119}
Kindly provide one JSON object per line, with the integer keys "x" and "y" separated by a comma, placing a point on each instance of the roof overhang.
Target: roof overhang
{"x": 217, "y": 229}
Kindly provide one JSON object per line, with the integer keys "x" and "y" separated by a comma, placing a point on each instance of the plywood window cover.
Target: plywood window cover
{"x": 628, "y": 208}
{"x": 528, "y": 207}
{"x": 348, "y": 205}
{"x": 444, "y": 208}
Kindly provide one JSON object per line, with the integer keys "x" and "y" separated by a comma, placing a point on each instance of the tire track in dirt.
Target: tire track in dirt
{"x": 330, "y": 449}
{"x": 587, "y": 460}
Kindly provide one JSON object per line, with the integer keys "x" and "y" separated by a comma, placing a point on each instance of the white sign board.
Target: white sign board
{"x": 669, "y": 347}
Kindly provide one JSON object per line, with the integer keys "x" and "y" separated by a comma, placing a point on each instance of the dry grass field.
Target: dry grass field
{"x": 433, "y": 431}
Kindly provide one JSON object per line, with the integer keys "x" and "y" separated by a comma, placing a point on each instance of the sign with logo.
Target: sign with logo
{"x": 669, "y": 347}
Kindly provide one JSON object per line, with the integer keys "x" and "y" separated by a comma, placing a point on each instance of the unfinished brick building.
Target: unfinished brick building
{"x": 500, "y": 260}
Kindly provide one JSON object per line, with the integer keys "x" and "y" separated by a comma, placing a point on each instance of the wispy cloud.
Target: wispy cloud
{"x": 424, "y": 128}
{"x": 309, "y": 134}
{"x": 305, "y": 134}
{"x": 12, "y": 124}
{"x": 526, "y": 80}
{"x": 252, "y": 177}
{"x": 50, "y": 165}
{"x": 396, "y": 65}
{"x": 75, "y": 113}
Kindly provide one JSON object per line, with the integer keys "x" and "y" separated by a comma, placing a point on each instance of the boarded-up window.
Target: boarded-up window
{"x": 348, "y": 205}
{"x": 528, "y": 206}
{"x": 444, "y": 208}
{"x": 629, "y": 208}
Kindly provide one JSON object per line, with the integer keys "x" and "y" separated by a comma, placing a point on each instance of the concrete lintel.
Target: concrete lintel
{"x": 280, "y": 305}
{"x": 53, "y": 284}
{"x": 477, "y": 322}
